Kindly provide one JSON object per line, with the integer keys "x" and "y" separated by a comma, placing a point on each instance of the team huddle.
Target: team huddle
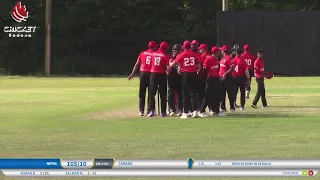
{"x": 192, "y": 79}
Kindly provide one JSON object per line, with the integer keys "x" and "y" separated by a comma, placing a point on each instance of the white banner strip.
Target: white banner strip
{"x": 150, "y": 164}
{"x": 254, "y": 164}
{"x": 160, "y": 173}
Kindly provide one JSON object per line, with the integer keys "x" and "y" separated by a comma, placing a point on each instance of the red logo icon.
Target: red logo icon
{"x": 20, "y": 13}
{"x": 310, "y": 173}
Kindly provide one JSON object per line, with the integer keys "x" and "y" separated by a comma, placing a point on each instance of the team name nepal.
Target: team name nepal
{"x": 251, "y": 163}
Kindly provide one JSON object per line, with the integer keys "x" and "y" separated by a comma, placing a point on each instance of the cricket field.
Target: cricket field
{"x": 98, "y": 118}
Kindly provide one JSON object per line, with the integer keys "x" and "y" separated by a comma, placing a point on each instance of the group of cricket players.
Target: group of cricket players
{"x": 194, "y": 78}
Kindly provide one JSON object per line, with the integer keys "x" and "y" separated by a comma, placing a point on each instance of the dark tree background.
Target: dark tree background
{"x": 95, "y": 37}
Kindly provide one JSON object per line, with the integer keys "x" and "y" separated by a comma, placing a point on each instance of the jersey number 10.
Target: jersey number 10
{"x": 248, "y": 61}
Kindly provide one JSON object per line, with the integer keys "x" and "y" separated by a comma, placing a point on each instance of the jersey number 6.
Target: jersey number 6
{"x": 189, "y": 61}
{"x": 148, "y": 60}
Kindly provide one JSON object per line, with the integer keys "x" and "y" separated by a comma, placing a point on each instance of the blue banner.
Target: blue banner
{"x": 30, "y": 164}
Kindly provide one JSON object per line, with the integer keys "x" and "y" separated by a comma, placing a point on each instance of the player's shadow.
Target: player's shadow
{"x": 261, "y": 116}
{"x": 295, "y": 107}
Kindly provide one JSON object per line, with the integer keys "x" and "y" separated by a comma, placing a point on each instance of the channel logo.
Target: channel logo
{"x": 310, "y": 173}
{"x": 19, "y": 13}
{"x": 307, "y": 173}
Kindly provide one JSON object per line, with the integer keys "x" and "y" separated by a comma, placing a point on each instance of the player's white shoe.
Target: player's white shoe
{"x": 203, "y": 115}
{"x": 141, "y": 114}
{"x": 172, "y": 113}
{"x": 189, "y": 114}
{"x": 195, "y": 114}
{"x": 221, "y": 114}
{"x": 247, "y": 94}
{"x": 179, "y": 113}
{"x": 267, "y": 106}
{"x": 223, "y": 110}
{"x": 184, "y": 116}
{"x": 211, "y": 113}
{"x": 254, "y": 106}
{"x": 151, "y": 114}
{"x": 242, "y": 109}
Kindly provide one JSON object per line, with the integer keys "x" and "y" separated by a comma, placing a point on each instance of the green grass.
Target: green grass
{"x": 97, "y": 118}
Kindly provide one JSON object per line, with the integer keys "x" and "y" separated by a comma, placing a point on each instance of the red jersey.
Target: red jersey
{"x": 145, "y": 60}
{"x": 211, "y": 64}
{"x": 249, "y": 58}
{"x": 240, "y": 67}
{"x": 204, "y": 56}
{"x": 159, "y": 62}
{"x": 259, "y": 68}
{"x": 225, "y": 64}
{"x": 188, "y": 61}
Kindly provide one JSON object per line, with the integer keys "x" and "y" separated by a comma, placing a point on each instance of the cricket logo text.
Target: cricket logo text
{"x": 19, "y": 14}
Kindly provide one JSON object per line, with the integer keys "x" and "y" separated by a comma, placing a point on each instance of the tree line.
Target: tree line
{"x": 105, "y": 36}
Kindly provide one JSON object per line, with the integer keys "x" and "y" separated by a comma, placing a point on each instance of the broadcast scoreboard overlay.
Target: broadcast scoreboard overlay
{"x": 158, "y": 168}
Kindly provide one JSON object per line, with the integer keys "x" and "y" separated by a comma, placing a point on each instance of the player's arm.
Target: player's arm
{"x": 168, "y": 60}
{"x": 135, "y": 68}
{"x": 176, "y": 61}
{"x": 205, "y": 67}
{"x": 198, "y": 62}
{"x": 247, "y": 74}
{"x": 231, "y": 69}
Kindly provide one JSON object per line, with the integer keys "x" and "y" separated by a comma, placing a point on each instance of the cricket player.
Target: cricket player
{"x": 260, "y": 75}
{"x": 158, "y": 78}
{"x": 240, "y": 76}
{"x": 212, "y": 92}
{"x": 144, "y": 63}
{"x": 249, "y": 58}
{"x": 203, "y": 50}
{"x": 233, "y": 55}
{"x": 201, "y": 79}
{"x": 190, "y": 64}
{"x": 194, "y": 45}
{"x": 226, "y": 80}
{"x": 175, "y": 84}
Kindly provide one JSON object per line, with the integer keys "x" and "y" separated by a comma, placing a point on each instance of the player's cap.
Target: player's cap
{"x": 215, "y": 49}
{"x": 152, "y": 44}
{"x": 186, "y": 44}
{"x": 246, "y": 47}
{"x": 224, "y": 48}
{"x": 194, "y": 42}
{"x": 164, "y": 45}
{"x": 177, "y": 47}
{"x": 203, "y": 46}
{"x": 270, "y": 75}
